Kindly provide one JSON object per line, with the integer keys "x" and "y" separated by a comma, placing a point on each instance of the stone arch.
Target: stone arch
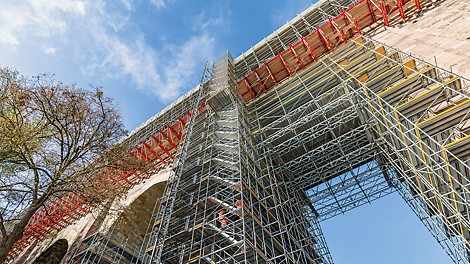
{"x": 132, "y": 223}
{"x": 119, "y": 232}
{"x": 54, "y": 253}
{"x": 125, "y": 225}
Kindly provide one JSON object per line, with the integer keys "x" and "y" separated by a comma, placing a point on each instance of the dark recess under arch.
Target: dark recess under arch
{"x": 54, "y": 254}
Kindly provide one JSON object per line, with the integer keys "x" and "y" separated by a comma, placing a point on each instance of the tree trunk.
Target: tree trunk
{"x": 17, "y": 233}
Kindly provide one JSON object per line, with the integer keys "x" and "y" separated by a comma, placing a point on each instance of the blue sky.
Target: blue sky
{"x": 147, "y": 53}
{"x": 144, "y": 53}
{"x": 385, "y": 231}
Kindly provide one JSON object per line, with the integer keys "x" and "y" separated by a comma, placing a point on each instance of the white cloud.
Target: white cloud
{"x": 158, "y": 3}
{"x": 120, "y": 58}
{"x": 181, "y": 67}
{"x": 163, "y": 75}
{"x": 90, "y": 34}
{"x": 127, "y": 4}
{"x": 37, "y": 18}
{"x": 49, "y": 50}
{"x": 11, "y": 20}
{"x": 216, "y": 18}
{"x": 287, "y": 12}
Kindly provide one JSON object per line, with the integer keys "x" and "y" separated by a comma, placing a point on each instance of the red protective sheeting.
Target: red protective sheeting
{"x": 61, "y": 212}
{"x": 321, "y": 41}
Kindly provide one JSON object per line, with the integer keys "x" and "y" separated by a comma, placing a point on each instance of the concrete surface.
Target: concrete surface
{"x": 442, "y": 34}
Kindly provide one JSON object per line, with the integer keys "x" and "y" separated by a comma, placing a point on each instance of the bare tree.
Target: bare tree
{"x": 54, "y": 139}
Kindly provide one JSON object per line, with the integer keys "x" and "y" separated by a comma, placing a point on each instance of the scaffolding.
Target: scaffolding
{"x": 229, "y": 207}
{"x": 332, "y": 122}
{"x": 366, "y": 107}
{"x": 106, "y": 246}
{"x": 326, "y": 149}
{"x": 310, "y": 123}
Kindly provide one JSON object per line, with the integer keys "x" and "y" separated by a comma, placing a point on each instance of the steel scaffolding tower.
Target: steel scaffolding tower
{"x": 225, "y": 210}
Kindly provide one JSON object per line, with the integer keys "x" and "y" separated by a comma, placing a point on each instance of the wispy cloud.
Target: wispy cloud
{"x": 159, "y": 3}
{"x": 36, "y": 18}
{"x": 127, "y": 4}
{"x": 290, "y": 9}
{"x": 165, "y": 73}
{"x": 117, "y": 58}
{"x": 181, "y": 67}
{"x": 49, "y": 50}
{"x": 216, "y": 18}
{"x": 103, "y": 49}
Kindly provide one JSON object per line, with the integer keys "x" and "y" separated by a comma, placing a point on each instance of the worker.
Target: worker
{"x": 238, "y": 203}
{"x": 222, "y": 218}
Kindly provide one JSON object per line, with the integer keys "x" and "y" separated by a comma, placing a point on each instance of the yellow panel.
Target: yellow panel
{"x": 363, "y": 78}
{"x": 380, "y": 52}
{"x": 454, "y": 83}
{"x": 426, "y": 92}
{"x": 410, "y": 67}
{"x": 358, "y": 41}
